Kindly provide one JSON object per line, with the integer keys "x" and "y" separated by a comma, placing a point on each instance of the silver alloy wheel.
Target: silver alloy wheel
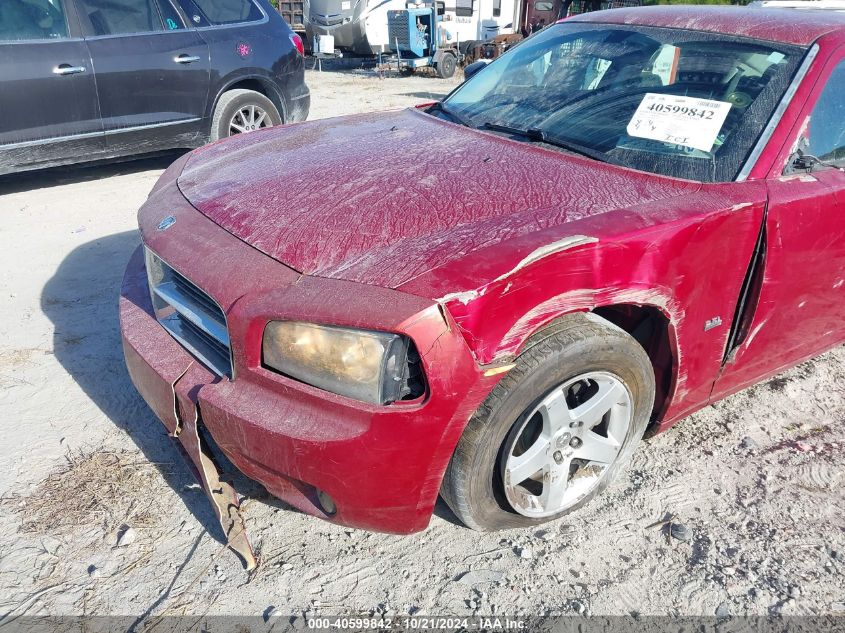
{"x": 248, "y": 119}
{"x": 565, "y": 446}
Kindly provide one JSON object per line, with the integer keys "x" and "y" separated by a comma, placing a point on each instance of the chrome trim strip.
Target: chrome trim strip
{"x": 52, "y": 139}
{"x": 73, "y": 137}
{"x": 150, "y": 126}
{"x": 206, "y": 322}
{"x": 43, "y": 40}
{"x": 785, "y": 101}
{"x": 111, "y": 36}
{"x": 173, "y": 324}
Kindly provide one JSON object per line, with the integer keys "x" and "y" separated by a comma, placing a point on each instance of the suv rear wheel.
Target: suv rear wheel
{"x": 240, "y": 111}
{"x": 556, "y": 430}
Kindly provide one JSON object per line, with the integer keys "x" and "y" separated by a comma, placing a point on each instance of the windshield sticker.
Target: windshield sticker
{"x": 679, "y": 120}
{"x": 653, "y": 147}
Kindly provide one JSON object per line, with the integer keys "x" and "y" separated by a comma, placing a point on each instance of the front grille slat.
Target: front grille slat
{"x": 194, "y": 312}
{"x": 197, "y": 295}
{"x": 190, "y": 315}
{"x": 222, "y": 350}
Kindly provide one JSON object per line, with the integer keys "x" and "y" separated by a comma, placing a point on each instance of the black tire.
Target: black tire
{"x": 466, "y": 47}
{"x": 232, "y": 101}
{"x": 573, "y": 345}
{"x": 446, "y": 66}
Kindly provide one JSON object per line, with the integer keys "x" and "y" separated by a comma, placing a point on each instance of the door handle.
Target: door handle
{"x": 186, "y": 59}
{"x": 67, "y": 69}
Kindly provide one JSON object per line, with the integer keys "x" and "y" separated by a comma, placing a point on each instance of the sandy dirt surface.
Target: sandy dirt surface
{"x": 100, "y": 515}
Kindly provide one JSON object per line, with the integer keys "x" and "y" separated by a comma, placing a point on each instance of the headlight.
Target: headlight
{"x": 375, "y": 367}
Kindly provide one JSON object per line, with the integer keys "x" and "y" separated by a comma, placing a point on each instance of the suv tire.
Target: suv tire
{"x": 251, "y": 105}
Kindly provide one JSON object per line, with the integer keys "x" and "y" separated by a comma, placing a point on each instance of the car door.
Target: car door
{"x": 798, "y": 308}
{"x": 48, "y": 98}
{"x": 152, "y": 73}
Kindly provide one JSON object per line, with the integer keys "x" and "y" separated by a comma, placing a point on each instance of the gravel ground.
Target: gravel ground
{"x": 100, "y": 515}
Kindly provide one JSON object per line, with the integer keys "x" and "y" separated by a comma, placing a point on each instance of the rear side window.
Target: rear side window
{"x": 121, "y": 17}
{"x": 216, "y": 12}
{"x": 22, "y": 20}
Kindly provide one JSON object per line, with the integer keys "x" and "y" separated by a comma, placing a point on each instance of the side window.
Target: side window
{"x": 121, "y": 17}
{"x": 171, "y": 18}
{"x": 194, "y": 14}
{"x": 827, "y": 121}
{"x": 464, "y": 8}
{"x": 22, "y": 20}
{"x": 216, "y": 12}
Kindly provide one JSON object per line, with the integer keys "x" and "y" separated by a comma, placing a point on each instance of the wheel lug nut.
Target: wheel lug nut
{"x": 576, "y": 442}
{"x": 563, "y": 440}
{"x": 558, "y": 457}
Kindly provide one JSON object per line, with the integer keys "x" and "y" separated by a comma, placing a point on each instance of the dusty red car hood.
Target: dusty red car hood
{"x": 384, "y": 197}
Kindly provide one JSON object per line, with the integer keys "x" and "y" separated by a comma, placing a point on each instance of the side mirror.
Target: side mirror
{"x": 802, "y": 162}
{"x": 474, "y": 67}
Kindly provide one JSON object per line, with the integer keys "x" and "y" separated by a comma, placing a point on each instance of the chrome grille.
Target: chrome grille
{"x": 190, "y": 315}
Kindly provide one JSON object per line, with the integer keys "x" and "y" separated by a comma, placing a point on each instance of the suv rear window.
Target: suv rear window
{"x": 216, "y": 12}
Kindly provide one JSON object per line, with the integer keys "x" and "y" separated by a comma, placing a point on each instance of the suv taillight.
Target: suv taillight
{"x": 297, "y": 42}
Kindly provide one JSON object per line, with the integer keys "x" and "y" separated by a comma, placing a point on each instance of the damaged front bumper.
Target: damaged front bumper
{"x": 381, "y": 465}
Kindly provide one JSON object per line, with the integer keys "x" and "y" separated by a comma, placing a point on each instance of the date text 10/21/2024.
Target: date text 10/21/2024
{"x": 491, "y": 623}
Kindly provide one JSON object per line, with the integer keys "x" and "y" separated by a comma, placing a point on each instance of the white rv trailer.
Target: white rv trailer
{"x": 360, "y": 27}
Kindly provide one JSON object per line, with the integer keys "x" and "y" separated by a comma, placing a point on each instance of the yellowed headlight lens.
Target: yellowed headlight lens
{"x": 345, "y": 361}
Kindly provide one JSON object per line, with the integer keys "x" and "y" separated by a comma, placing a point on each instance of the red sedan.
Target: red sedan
{"x": 626, "y": 217}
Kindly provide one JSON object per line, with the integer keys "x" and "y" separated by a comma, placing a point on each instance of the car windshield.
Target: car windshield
{"x": 682, "y": 103}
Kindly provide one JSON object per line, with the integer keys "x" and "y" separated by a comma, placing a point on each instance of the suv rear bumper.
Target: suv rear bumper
{"x": 299, "y": 107}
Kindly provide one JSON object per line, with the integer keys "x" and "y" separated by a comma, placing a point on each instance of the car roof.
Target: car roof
{"x": 790, "y": 26}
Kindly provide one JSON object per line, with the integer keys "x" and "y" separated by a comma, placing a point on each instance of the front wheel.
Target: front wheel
{"x": 556, "y": 430}
{"x": 240, "y": 111}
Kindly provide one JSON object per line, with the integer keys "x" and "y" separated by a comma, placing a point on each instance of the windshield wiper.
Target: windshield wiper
{"x": 458, "y": 118}
{"x": 532, "y": 134}
{"x": 540, "y": 136}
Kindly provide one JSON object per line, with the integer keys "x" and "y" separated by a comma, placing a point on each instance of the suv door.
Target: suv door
{"x": 152, "y": 73}
{"x": 48, "y": 98}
